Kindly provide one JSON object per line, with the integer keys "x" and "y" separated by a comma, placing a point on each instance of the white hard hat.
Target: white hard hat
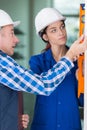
{"x": 47, "y": 16}
{"x": 5, "y": 19}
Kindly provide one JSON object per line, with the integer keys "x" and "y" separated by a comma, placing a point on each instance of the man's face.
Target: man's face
{"x": 8, "y": 40}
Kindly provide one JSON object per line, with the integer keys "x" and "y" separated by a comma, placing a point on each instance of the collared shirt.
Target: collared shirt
{"x": 18, "y": 78}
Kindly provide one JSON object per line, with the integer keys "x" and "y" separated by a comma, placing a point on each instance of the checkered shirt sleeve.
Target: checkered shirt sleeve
{"x": 20, "y": 79}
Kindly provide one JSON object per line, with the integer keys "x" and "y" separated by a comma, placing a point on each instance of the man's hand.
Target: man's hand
{"x": 25, "y": 120}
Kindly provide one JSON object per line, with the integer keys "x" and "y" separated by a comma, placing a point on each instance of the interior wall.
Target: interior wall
{"x": 37, "y": 5}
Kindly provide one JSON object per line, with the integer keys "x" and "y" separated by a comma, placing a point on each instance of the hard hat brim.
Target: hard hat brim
{"x": 16, "y": 23}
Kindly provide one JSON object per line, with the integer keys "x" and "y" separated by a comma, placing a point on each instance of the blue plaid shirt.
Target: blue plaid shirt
{"x": 18, "y": 78}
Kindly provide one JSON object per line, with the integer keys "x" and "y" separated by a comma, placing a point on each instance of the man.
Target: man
{"x": 9, "y": 99}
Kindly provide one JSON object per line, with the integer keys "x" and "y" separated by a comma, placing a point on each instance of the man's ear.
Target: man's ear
{"x": 0, "y": 41}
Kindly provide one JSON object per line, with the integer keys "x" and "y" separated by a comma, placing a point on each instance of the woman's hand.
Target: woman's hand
{"x": 77, "y": 48}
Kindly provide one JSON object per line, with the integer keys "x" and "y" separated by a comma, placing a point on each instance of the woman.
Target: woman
{"x": 60, "y": 110}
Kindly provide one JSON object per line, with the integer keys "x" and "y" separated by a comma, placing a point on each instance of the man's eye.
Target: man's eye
{"x": 12, "y": 33}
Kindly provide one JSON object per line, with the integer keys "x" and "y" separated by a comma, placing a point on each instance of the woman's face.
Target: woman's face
{"x": 56, "y": 34}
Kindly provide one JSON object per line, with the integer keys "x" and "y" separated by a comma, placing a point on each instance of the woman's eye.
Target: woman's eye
{"x": 63, "y": 27}
{"x": 54, "y": 30}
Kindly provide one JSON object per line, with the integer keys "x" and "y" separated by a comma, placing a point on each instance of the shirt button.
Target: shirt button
{"x": 58, "y": 125}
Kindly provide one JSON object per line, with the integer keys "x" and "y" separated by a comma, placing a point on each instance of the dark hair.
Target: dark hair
{"x": 41, "y": 33}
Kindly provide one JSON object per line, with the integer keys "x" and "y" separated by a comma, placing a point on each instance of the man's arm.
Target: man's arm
{"x": 20, "y": 79}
